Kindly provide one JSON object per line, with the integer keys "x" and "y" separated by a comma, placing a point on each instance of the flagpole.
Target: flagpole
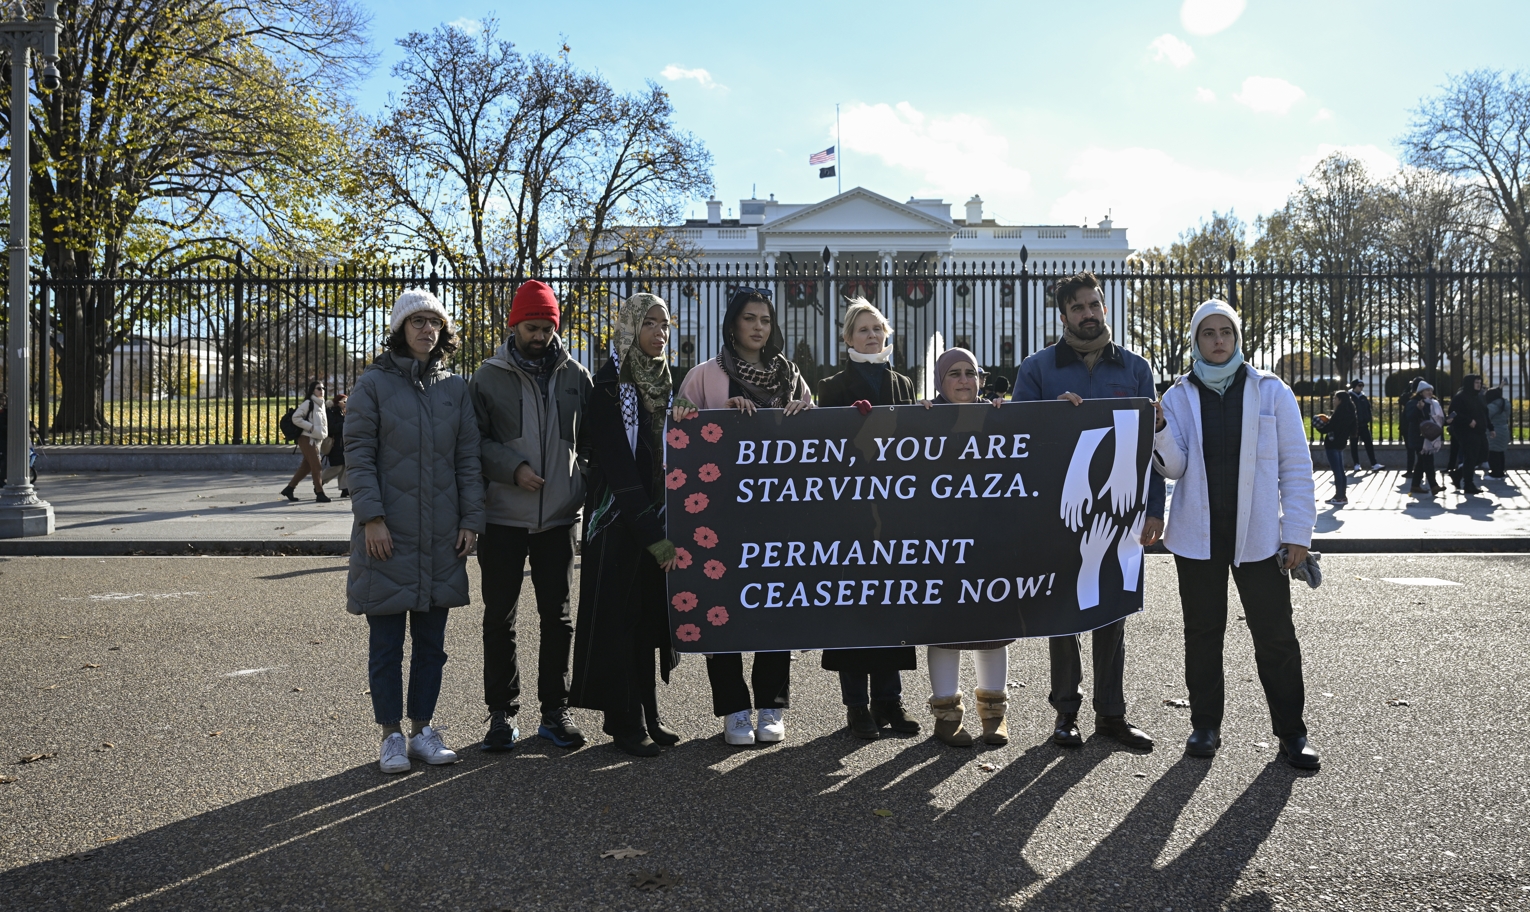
{"x": 839, "y": 146}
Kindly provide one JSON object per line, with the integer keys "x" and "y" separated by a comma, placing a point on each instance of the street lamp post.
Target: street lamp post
{"x": 22, "y": 512}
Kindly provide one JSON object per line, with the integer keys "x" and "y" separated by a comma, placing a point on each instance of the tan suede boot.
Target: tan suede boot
{"x": 990, "y": 708}
{"x": 948, "y": 720}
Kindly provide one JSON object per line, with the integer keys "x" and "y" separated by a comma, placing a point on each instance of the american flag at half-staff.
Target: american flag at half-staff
{"x": 820, "y": 158}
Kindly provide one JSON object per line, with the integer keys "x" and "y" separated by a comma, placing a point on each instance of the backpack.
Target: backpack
{"x": 290, "y": 430}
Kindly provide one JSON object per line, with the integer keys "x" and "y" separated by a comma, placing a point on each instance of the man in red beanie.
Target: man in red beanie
{"x": 530, "y": 401}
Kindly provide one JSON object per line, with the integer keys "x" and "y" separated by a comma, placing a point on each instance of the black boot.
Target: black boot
{"x": 287, "y": 493}
{"x": 1123, "y": 731}
{"x": 319, "y": 496}
{"x": 637, "y": 745}
{"x": 1203, "y": 742}
{"x": 1299, "y": 754}
{"x": 861, "y": 723}
{"x": 1065, "y": 731}
{"x": 662, "y": 734}
{"x": 892, "y": 714}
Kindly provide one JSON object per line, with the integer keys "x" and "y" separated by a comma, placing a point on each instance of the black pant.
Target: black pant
{"x": 857, "y": 688}
{"x": 1424, "y": 465}
{"x": 1266, "y": 597}
{"x": 628, "y": 721}
{"x": 1495, "y": 463}
{"x": 771, "y": 679}
{"x": 1412, "y": 458}
{"x": 1363, "y": 435}
{"x": 502, "y": 552}
{"x": 1109, "y": 647}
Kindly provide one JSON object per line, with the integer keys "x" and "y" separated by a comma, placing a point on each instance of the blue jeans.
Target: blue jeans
{"x": 1336, "y": 462}
{"x": 385, "y": 670}
{"x": 857, "y": 688}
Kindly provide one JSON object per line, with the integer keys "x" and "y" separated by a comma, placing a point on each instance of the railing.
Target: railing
{"x": 217, "y": 356}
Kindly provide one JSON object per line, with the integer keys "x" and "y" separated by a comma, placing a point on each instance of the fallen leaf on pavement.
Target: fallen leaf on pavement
{"x": 215, "y": 734}
{"x": 6, "y": 780}
{"x": 314, "y": 642}
{"x": 623, "y": 852}
{"x": 33, "y": 758}
{"x": 367, "y": 691}
{"x": 882, "y": 812}
{"x": 1181, "y": 704}
{"x": 113, "y": 648}
{"x": 1397, "y": 702}
{"x": 1327, "y": 694}
{"x": 297, "y": 690}
{"x": 89, "y": 665}
{"x": 987, "y": 767}
{"x": 1140, "y": 775}
{"x": 1262, "y": 744}
{"x": 658, "y": 880}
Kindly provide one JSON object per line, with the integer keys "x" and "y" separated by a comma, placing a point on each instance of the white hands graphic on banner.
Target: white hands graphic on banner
{"x": 1129, "y": 553}
{"x": 1077, "y": 496}
{"x": 1092, "y": 549}
{"x": 1122, "y": 483}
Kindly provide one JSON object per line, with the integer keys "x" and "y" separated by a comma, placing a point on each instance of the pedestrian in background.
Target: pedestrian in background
{"x": 334, "y": 444}
{"x": 1498, "y": 437}
{"x": 870, "y": 683}
{"x": 1409, "y": 416}
{"x": 411, "y": 442}
{"x": 623, "y": 609}
{"x": 1337, "y": 428}
{"x": 1428, "y": 418}
{"x": 1469, "y": 428}
{"x": 312, "y": 419}
{"x": 749, "y": 373}
{"x": 1363, "y": 415}
{"x": 530, "y": 399}
{"x": 958, "y": 376}
{"x": 1218, "y": 425}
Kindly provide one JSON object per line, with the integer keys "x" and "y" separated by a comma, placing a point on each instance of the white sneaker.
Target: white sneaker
{"x": 395, "y": 755}
{"x": 738, "y": 728}
{"x": 427, "y": 746}
{"x": 771, "y": 726}
{"x": 1377, "y": 467}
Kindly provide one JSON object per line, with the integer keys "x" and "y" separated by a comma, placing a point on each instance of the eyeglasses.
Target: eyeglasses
{"x": 422, "y": 322}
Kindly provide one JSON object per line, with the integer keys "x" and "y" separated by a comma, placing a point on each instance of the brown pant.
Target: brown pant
{"x": 310, "y": 464}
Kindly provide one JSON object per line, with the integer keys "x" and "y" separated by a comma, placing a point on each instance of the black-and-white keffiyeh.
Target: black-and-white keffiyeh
{"x": 627, "y": 395}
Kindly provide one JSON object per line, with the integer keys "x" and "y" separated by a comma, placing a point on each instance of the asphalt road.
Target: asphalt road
{"x": 213, "y": 749}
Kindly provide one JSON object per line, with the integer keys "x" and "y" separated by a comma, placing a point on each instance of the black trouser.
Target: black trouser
{"x": 1266, "y": 597}
{"x": 502, "y": 553}
{"x": 1109, "y": 646}
{"x": 1412, "y": 458}
{"x": 1363, "y": 435}
{"x": 857, "y": 688}
{"x": 1495, "y": 463}
{"x": 771, "y": 679}
{"x": 1422, "y": 466}
{"x": 628, "y": 722}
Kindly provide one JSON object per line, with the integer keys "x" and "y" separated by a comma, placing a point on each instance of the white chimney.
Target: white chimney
{"x": 974, "y": 211}
{"x": 714, "y": 212}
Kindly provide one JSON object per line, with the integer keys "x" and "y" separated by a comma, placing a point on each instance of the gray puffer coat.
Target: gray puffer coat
{"x": 411, "y": 450}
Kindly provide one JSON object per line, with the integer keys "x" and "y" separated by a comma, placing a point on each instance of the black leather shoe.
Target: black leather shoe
{"x": 1123, "y": 731}
{"x": 662, "y": 734}
{"x": 1203, "y": 742}
{"x": 1296, "y": 752}
{"x": 1065, "y": 732}
{"x": 638, "y": 746}
{"x": 861, "y": 723}
{"x": 892, "y": 714}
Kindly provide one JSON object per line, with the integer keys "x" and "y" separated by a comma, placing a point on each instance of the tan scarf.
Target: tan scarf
{"x": 1088, "y": 349}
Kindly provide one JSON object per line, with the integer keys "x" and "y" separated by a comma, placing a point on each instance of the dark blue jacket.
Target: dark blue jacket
{"x": 1058, "y": 369}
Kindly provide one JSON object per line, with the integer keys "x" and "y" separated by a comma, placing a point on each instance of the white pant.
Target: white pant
{"x": 945, "y": 669}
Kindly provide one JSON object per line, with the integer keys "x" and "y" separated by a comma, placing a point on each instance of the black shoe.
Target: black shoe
{"x": 1296, "y": 752}
{"x": 1417, "y": 490}
{"x": 861, "y": 723}
{"x": 892, "y": 714}
{"x": 559, "y": 728}
{"x": 1123, "y": 731}
{"x": 287, "y": 493}
{"x": 663, "y": 735}
{"x": 637, "y": 746}
{"x": 1203, "y": 742}
{"x": 345, "y": 492}
{"x": 1065, "y": 732}
{"x": 320, "y": 497}
{"x": 502, "y": 732}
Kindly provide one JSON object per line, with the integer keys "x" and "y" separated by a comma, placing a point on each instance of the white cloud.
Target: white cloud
{"x": 1322, "y": 115}
{"x": 1378, "y": 162}
{"x": 951, "y": 154}
{"x": 1207, "y": 17}
{"x": 466, "y": 26}
{"x": 1205, "y": 95}
{"x": 1268, "y": 94}
{"x": 702, "y": 77}
{"x": 1167, "y": 47}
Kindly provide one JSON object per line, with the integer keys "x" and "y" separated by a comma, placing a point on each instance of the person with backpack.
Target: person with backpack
{"x": 1337, "y": 429}
{"x": 1362, "y": 433}
{"x": 312, "y": 421}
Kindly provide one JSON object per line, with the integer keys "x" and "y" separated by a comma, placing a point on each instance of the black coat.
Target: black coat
{"x": 845, "y": 388}
{"x": 1412, "y": 417}
{"x": 1341, "y": 423}
{"x": 622, "y": 597}
{"x": 337, "y": 434}
{"x": 848, "y": 386}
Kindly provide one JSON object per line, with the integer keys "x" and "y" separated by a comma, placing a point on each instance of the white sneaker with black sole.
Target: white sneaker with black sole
{"x": 427, "y": 746}
{"x": 394, "y": 757}
{"x": 772, "y": 728}
{"x": 738, "y": 728}
{"x": 1377, "y": 467}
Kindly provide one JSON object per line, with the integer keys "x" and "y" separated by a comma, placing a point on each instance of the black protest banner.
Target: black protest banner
{"x": 906, "y": 525}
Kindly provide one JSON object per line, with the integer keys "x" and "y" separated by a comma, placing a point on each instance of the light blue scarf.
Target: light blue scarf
{"x": 1216, "y": 377}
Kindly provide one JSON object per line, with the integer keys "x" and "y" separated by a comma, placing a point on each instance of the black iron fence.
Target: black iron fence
{"x": 216, "y": 356}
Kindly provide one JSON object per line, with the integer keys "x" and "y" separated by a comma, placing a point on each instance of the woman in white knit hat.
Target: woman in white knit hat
{"x": 1233, "y": 438}
{"x": 411, "y": 451}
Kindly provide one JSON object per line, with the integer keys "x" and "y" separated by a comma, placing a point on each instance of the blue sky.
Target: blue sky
{"x": 1054, "y": 113}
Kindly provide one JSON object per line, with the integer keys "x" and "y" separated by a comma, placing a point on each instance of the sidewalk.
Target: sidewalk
{"x": 106, "y": 513}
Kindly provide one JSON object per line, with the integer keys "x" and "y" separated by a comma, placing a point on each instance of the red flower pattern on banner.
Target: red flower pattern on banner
{"x": 714, "y": 569}
{"x": 682, "y": 558}
{"x": 696, "y": 502}
{"x": 718, "y": 615}
{"x": 684, "y": 601}
{"x": 705, "y": 537}
{"x": 709, "y": 472}
{"x": 712, "y": 433}
{"x": 675, "y": 480}
{"x": 688, "y": 633}
{"x": 678, "y": 438}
